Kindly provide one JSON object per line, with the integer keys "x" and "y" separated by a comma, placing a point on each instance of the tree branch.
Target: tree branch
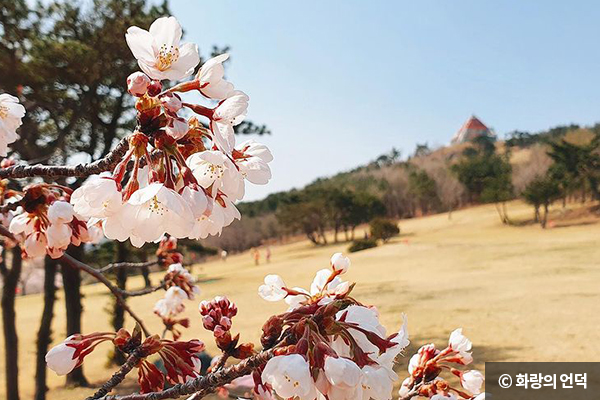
{"x": 70, "y": 261}
{"x": 104, "y": 164}
{"x": 118, "y": 376}
{"x": 142, "y": 292}
{"x": 112, "y": 266}
{"x": 206, "y": 384}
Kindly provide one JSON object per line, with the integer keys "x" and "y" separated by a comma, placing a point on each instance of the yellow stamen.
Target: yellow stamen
{"x": 166, "y": 57}
{"x": 3, "y": 112}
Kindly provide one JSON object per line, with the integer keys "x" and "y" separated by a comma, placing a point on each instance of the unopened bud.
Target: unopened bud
{"x": 137, "y": 84}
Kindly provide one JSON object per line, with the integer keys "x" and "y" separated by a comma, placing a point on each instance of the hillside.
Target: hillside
{"x": 421, "y": 184}
{"x": 517, "y": 291}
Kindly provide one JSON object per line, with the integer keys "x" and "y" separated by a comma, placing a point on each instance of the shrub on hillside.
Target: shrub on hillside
{"x": 383, "y": 229}
{"x": 362, "y": 244}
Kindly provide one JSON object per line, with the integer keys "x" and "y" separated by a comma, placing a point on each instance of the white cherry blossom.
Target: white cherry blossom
{"x": 60, "y": 357}
{"x": 252, "y": 159}
{"x": 401, "y": 339}
{"x": 98, "y": 197}
{"x": 35, "y": 245}
{"x": 472, "y": 381}
{"x": 344, "y": 377}
{"x": 60, "y": 212}
{"x": 367, "y": 319}
{"x": 461, "y": 344}
{"x": 22, "y": 223}
{"x": 214, "y": 171}
{"x": 11, "y": 114}
{"x": 339, "y": 263}
{"x": 273, "y": 288}
{"x": 159, "y": 51}
{"x": 58, "y": 236}
{"x": 289, "y": 376}
{"x": 377, "y": 382}
{"x": 172, "y": 303}
{"x": 157, "y": 210}
{"x": 229, "y": 113}
{"x": 210, "y": 78}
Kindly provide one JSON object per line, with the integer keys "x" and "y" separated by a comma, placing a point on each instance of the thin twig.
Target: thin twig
{"x": 70, "y": 261}
{"x": 118, "y": 376}
{"x": 106, "y": 163}
{"x": 206, "y": 384}
{"x": 142, "y": 292}
{"x": 413, "y": 392}
{"x": 112, "y": 266}
{"x": 9, "y": 207}
{"x": 5, "y": 232}
{"x": 222, "y": 361}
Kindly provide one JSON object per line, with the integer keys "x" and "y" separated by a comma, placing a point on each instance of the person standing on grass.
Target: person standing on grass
{"x": 255, "y": 255}
{"x": 268, "y": 254}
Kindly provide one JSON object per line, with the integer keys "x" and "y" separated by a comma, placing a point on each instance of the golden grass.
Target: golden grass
{"x": 520, "y": 293}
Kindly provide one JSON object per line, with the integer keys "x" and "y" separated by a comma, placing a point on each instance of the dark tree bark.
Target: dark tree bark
{"x": 118, "y": 319}
{"x": 545, "y": 217}
{"x": 145, "y": 270}
{"x": 74, "y": 308}
{"x": 44, "y": 336}
{"x": 11, "y": 340}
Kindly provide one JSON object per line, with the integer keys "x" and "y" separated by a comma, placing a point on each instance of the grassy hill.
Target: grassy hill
{"x": 521, "y": 293}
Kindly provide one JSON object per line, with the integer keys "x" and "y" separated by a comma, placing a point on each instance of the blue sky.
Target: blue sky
{"x": 341, "y": 82}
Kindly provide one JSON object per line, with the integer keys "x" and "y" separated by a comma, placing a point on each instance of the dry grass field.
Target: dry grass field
{"x": 519, "y": 292}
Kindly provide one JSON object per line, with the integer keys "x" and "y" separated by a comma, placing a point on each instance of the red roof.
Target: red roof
{"x": 475, "y": 124}
{"x": 471, "y": 129}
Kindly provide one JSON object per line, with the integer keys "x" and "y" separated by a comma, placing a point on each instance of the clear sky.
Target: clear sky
{"x": 341, "y": 82}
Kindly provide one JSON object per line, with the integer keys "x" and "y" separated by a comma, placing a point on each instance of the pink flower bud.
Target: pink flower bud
{"x": 177, "y": 128}
{"x": 137, "y": 84}
{"x": 171, "y": 102}
{"x": 154, "y": 88}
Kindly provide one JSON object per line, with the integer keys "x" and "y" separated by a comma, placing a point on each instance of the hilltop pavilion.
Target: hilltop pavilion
{"x": 470, "y": 130}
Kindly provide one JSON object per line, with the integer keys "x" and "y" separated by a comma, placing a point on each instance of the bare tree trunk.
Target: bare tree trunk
{"x": 74, "y": 308}
{"x": 335, "y": 234}
{"x": 44, "y": 336}
{"x": 505, "y": 212}
{"x": 146, "y": 270}
{"x": 118, "y": 320}
{"x": 322, "y": 233}
{"x": 536, "y": 215}
{"x": 11, "y": 340}
{"x": 545, "y": 218}
{"x": 311, "y": 236}
{"x": 499, "y": 210}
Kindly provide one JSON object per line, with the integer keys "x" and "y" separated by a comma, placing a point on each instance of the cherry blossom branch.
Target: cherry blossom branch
{"x": 112, "y": 266}
{"x": 142, "y": 292}
{"x": 206, "y": 384}
{"x": 221, "y": 362}
{"x": 6, "y": 233}
{"x": 133, "y": 359}
{"x": 70, "y": 261}
{"x": 106, "y": 163}
{"x": 9, "y": 207}
{"x": 413, "y": 392}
